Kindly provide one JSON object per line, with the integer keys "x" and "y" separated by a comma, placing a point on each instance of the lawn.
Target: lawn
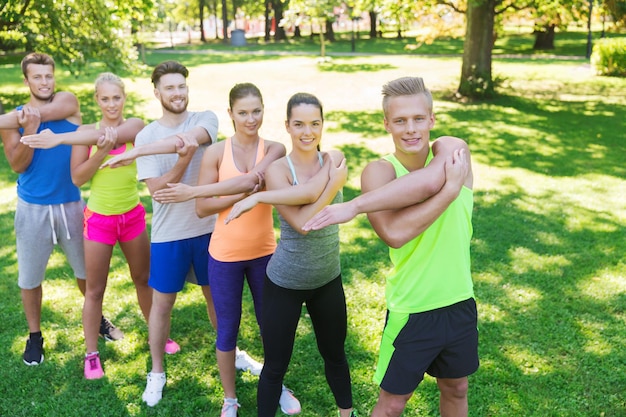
{"x": 548, "y": 248}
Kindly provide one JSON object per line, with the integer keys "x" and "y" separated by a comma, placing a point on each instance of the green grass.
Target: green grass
{"x": 548, "y": 249}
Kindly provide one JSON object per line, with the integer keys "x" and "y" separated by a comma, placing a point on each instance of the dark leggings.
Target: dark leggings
{"x": 281, "y": 312}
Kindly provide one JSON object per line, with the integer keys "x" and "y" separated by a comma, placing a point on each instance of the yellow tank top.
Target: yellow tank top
{"x": 114, "y": 191}
{"x": 250, "y": 236}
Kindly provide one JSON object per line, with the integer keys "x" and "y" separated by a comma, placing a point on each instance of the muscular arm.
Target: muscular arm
{"x": 170, "y": 144}
{"x": 83, "y": 166}
{"x": 395, "y": 194}
{"x": 87, "y": 135}
{"x": 208, "y": 186}
{"x": 19, "y": 156}
{"x": 287, "y": 199}
{"x": 397, "y": 227}
{"x": 296, "y": 218}
{"x": 64, "y": 105}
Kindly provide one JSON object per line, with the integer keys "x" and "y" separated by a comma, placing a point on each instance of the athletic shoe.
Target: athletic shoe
{"x": 244, "y": 362}
{"x": 288, "y": 403}
{"x": 154, "y": 388}
{"x": 33, "y": 354}
{"x": 230, "y": 407}
{"x": 108, "y": 331}
{"x": 93, "y": 367}
{"x": 352, "y": 413}
{"x": 171, "y": 347}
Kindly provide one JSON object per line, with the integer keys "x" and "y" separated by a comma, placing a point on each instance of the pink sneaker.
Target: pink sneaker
{"x": 93, "y": 367}
{"x": 171, "y": 347}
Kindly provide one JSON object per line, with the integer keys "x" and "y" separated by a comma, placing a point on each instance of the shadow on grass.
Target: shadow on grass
{"x": 368, "y": 124}
{"x": 540, "y": 328}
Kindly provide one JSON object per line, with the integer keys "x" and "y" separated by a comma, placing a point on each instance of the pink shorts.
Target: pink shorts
{"x": 116, "y": 227}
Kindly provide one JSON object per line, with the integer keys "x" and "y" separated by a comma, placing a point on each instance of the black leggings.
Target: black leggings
{"x": 281, "y": 312}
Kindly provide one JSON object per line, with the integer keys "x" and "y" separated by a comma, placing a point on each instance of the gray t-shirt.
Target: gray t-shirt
{"x": 305, "y": 262}
{"x": 176, "y": 221}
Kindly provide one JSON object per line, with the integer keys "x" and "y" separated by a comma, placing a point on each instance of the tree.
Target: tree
{"x": 476, "y": 71}
{"x": 617, "y": 10}
{"x": 321, "y": 12}
{"x": 550, "y": 15}
{"x": 476, "y": 78}
{"x": 75, "y": 32}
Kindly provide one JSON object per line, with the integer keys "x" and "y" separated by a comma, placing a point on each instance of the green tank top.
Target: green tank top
{"x": 433, "y": 270}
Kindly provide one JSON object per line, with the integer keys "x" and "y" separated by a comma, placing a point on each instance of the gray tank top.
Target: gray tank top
{"x": 305, "y": 262}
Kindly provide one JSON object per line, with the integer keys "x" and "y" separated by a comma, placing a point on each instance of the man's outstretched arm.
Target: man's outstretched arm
{"x": 396, "y": 193}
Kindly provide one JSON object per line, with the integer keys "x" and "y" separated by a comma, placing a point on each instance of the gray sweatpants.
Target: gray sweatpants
{"x": 38, "y": 228}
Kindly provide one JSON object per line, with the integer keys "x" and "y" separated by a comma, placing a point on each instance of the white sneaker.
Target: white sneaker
{"x": 230, "y": 407}
{"x": 154, "y": 388}
{"x": 288, "y": 403}
{"x": 244, "y": 362}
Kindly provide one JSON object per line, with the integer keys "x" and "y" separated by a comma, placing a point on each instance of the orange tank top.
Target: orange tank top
{"x": 251, "y": 235}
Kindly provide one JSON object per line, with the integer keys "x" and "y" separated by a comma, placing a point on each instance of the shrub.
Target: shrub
{"x": 609, "y": 57}
{"x": 11, "y": 40}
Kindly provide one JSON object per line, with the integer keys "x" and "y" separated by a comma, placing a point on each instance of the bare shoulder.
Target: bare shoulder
{"x": 135, "y": 121}
{"x": 335, "y": 156}
{"x": 278, "y": 174}
{"x": 273, "y": 146}
{"x": 215, "y": 150}
{"x": 376, "y": 174}
{"x": 444, "y": 143}
{"x": 278, "y": 165}
{"x": 64, "y": 95}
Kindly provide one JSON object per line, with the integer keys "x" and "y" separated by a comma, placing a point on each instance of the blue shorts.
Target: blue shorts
{"x": 442, "y": 342}
{"x": 173, "y": 263}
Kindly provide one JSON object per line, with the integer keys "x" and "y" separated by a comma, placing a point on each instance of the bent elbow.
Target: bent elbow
{"x": 394, "y": 243}
{"x": 201, "y": 213}
{"x": 19, "y": 168}
{"x": 76, "y": 182}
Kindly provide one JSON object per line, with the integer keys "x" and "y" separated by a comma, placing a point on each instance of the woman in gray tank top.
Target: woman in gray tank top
{"x": 305, "y": 267}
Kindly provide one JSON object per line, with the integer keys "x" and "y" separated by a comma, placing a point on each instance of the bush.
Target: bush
{"x": 11, "y": 40}
{"x": 609, "y": 57}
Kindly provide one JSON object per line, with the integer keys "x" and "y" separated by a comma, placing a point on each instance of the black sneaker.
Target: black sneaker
{"x": 33, "y": 354}
{"x": 108, "y": 331}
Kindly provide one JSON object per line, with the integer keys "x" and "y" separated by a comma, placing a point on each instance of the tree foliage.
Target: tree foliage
{"x": 76, "y": 32}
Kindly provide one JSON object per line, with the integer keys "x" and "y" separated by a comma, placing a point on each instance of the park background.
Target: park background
{"x": 549, "y": 224}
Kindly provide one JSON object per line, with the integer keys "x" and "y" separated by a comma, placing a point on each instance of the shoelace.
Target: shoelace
{"x": 92, "y": 362}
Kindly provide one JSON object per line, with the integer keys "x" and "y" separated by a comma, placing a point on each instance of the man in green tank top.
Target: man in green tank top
{"x": 421, "y": 206}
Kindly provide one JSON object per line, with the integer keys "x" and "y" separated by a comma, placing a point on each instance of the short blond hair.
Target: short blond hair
{"x": 406, "y": 86}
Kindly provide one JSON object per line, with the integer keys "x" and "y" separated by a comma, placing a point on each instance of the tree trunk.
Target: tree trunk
{"x": 544, "y": 38}
{"x": 476, "y": 78}
{"x": 373, "y": 24}
{"x": 201, "y": 6}
{"x": 330, "y": 33}
{"x": 268, "y": 20}
{"x": 280, "y": 34}
{"x": 213, "y": 12}
{"x": 322, "y": 43}
{"x": 225, "y": 21}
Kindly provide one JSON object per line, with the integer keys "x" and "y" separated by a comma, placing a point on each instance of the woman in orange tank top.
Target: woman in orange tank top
{"x": 238, "y": 251}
